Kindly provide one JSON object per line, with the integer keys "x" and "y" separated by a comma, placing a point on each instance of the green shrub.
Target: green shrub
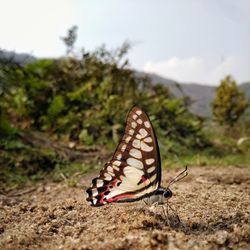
{"x": 87, "y": 100}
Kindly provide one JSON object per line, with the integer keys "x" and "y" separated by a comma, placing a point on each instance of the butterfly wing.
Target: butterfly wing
{"x": 135, "y": 168}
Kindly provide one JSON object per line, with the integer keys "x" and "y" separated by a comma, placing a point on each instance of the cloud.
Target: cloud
{"x": 201, "y": 70}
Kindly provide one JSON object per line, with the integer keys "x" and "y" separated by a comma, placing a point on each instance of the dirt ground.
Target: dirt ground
{"x": 213, "y": 205}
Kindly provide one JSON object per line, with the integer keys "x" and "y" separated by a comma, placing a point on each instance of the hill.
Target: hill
{"x": 18, "y": 58}
{"x": 201, "y": 95}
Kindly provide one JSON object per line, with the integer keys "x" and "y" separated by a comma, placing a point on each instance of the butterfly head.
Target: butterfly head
{"x": 167, "y": 193}
{"x": 160, "y": 196}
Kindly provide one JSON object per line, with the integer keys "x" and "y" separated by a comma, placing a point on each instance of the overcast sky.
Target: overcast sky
{"x": 185, "y": 40}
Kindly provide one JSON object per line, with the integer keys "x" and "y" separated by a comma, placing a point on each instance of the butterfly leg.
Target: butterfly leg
{"x": 165, "y": 212}
{"x": 142, "y": 209}
{"x": 174, "y": 211}
{"x": 165, "y": 209}
{"x": 153, "y": 206}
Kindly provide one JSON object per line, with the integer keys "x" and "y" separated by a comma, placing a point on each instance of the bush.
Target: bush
{"x": 87, "y": 100}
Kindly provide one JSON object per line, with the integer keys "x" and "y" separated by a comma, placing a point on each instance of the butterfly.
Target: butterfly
{"x": 134, "y": 172}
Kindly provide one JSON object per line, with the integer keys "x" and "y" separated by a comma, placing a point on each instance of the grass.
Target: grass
{"x": 202, "y": 159}
{"x": 223, "y": 151}
{"x": 72, "y": 173}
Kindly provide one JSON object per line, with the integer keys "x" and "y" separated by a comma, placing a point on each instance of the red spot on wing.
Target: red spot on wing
{"x": 102, "y": 198}
{"x": 143, "y": 178}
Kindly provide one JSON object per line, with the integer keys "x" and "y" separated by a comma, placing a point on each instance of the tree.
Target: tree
{"x": 229, "y": 102}
{"x": 70, "y": 39}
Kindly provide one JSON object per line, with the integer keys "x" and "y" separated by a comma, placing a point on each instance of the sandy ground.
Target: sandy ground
{"x": 212, "y": 203}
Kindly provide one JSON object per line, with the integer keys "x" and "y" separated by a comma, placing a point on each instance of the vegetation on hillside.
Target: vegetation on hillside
{"x": 229, "y": 103}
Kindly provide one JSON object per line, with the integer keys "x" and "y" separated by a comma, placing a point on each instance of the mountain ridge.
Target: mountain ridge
{"x": 201, "y": 95}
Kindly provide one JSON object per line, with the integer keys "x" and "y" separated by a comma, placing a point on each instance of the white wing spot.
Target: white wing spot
{"x": 130, "y": 178}
{"x": 135, "y": 163}
{"x": 135, "y": 117}
{"x": 139, "y": 121}
{"x": 110, "y": 169}
{"x": 138, "y": 136}
{"x": 135, "y": 153}
{"x": 117, "y": 163}
{"x": 94, "y": 192}
{"x": 150, "y": 161}
{"x": 133, "y": 124}
{"x": 143, "y": 132}
{"x": 94, "y": 201}
{"x": 111, "y": 173}
{"x": 151, "y": 169}
{"x": 119, "y": 157}
{"x": 131, "y": 131}
{"x": 145, "y": 147}
{"x": 123, "y": 147}
{"x": 99, "y": 183}
{"x": 152, "y": 178}
{"x": 136, "y": 144}
{"x": 138, "y": 112}
{"x": 115, "y": 167}
{"x": 132, "y": 172}
{"x": 128, "y": 139}
{"x": 148, "y": 139}
{"x": 107, "y": 177}
{"x": 147, "y": 124}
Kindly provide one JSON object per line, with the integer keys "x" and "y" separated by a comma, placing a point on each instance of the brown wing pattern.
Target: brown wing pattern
{"x": 135, "y": 168}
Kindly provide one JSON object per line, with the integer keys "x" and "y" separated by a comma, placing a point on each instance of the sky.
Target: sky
{"x": 185, "y": 40}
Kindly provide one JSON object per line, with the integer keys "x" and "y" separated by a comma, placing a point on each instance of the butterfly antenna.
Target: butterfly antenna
{"x": 179, "y": 177}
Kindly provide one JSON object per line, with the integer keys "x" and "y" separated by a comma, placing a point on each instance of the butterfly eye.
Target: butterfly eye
{"x": 168, "y": 194}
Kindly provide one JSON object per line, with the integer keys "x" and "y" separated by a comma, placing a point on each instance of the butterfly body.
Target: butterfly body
{"x": 160, "y": 196}
{"x": 134, "y": 172}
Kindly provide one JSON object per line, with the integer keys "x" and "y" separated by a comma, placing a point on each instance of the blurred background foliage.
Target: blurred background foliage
{"x": 229, "y": 103}
{"x": 59, "y": 115}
